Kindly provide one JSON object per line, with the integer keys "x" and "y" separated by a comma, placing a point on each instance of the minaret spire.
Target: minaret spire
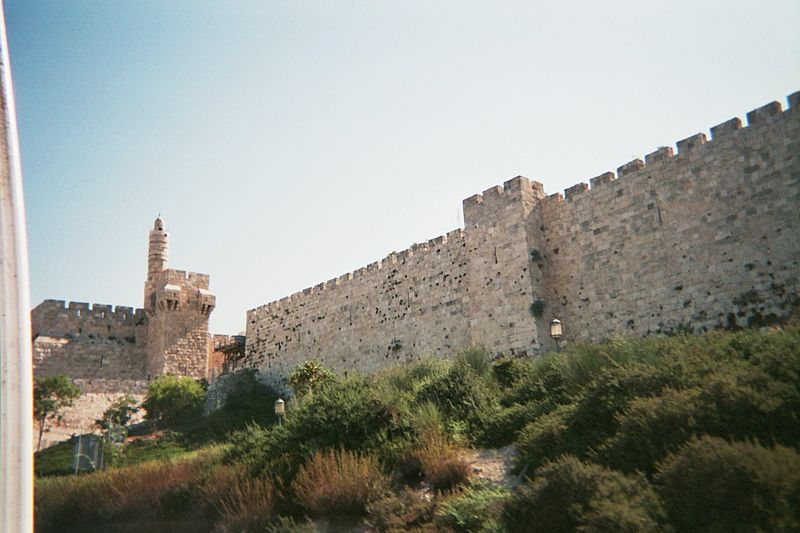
{"x": 158, "y": 249}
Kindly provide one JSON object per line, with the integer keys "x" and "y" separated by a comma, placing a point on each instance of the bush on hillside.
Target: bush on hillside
{"x": 476, "y": 358}
{"x": 174, "y": 400}
{"x": 477, "y": 508}
{"x": 344, "y": 414}
{"x": 712, "y": 485}
{"x": 247, "y": 504}
{"x": 744, "y": 403}
{"x": 508, "y": 370}
{"x": 503, "y": 426}
{"x": 570, "y": 495}
{"x": 307, "y": 377}
{"x": 338, "y": 484}
{"x": 650, "y": 428}
{"x": 441, "y": 465}
{"x": 546, "y": 438}
{"x": 461, "y": 395}
{"x": 400, "y": 512}
{"x": 249, "y": 402}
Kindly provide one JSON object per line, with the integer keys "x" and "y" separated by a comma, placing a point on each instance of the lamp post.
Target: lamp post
{"x": 555, "y": 332}
{"x": 280, "y": 409}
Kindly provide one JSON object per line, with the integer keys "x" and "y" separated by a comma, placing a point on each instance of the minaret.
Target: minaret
{"x": 178, "y": 305}
{"x": 158, "y": 249}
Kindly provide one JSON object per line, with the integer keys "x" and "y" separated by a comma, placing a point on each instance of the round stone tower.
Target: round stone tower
{"x": 158, "y": 249}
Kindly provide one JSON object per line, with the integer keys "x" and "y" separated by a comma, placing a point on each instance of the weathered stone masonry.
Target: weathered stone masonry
{"x": 704, "y": 238}
{"x": 109, "y": 351}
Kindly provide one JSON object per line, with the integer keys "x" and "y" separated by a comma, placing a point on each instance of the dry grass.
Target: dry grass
{"x": 338, "y": 483}
{"x": 247, "y": 505}
{"x": 441, "y": 465}
{"x": 144, "y": 492}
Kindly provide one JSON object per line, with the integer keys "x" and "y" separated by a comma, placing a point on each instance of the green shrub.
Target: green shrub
{"x": 543, "y": 383}
{"x": 747, "y": 403}
{"x": 174, "y": 400}
{"x": 249, "y": 402}
{"x": 309, "y": 376}
{"x": 462, "y": 395}
{"x": 476, "y": 509}
{"x": 570, "y": 495}
{"x": 338, "y": 483}
{"x": 650, "y": 428}
{"x": 712, "y": 485}
{"x": 503, "y": 426}
{"x": 476, "y": 358}
{"x": 344, "y": 414}
{"x": 508, "y": 370}
{"x": 546, "y": 438}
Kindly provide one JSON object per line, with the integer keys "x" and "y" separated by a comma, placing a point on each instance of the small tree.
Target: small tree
{"x": 174, "y": 400}
{"x": 310, "y": 375}
{"x": 51, "y": 395}
{"x": 118, "y": 413}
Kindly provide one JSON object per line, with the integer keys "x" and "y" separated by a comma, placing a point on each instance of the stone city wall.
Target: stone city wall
{"x": 699, "y": 239}
{"x": 88, "y": 341}
{"x": 398, "y": 309}
{"x": 704, "y": 238}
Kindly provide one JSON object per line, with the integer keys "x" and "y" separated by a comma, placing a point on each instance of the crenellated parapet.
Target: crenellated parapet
{"x": 57, "y": 318}
{"x": 687, "y": 147}
{"x": 415, "y": 253}
{"x": 696, "y": 235}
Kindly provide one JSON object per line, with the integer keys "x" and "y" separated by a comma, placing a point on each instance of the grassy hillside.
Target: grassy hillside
{"x": 684, "y": 433}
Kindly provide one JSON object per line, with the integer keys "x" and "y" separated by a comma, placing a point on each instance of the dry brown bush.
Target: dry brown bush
{"x": 338, "y": 483}
{"x": 441, "y": 465}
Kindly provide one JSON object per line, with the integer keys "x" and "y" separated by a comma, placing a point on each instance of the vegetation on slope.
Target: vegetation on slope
{"x": 684, "y": 433}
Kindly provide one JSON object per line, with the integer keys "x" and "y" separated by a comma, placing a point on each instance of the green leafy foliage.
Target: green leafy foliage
{"x": 343, "y": 414}
{"x": 668, "y": 433}
{"x": 174, "y": 400}
{"x": 51, "y": 395}
{"x": 309, "y": 376}
{"x": 571, "y": 495}
{"x": 249, "y": 402}
{"x": 713, "y": 485}
{"x": 476, "y": 509}
{"x": 119, "y": 413}
{"x": 461, "y": 394}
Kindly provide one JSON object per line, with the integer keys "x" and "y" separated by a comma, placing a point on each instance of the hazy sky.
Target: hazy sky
{"x": 288, "y": 142}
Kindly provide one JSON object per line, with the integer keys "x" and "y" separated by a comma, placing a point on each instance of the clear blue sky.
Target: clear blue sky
{"x": 286, "y": 142}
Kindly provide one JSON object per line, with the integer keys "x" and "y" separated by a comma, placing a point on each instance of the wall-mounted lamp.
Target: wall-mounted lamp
{"x": 555, "y": 332}
{"x": 280, "y": 409}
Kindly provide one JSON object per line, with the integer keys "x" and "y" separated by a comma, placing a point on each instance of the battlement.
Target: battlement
{"x": 90, "y": 312}
{"x": 182, "y": 277}
{"x": 416, "y": 250}
{"x": 665, "y": 155}
{"x": 509, "y": 192}
{"x": 698, "y": 235}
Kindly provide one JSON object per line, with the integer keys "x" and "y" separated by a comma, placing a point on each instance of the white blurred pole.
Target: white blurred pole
{"x": 16, "y": 385}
